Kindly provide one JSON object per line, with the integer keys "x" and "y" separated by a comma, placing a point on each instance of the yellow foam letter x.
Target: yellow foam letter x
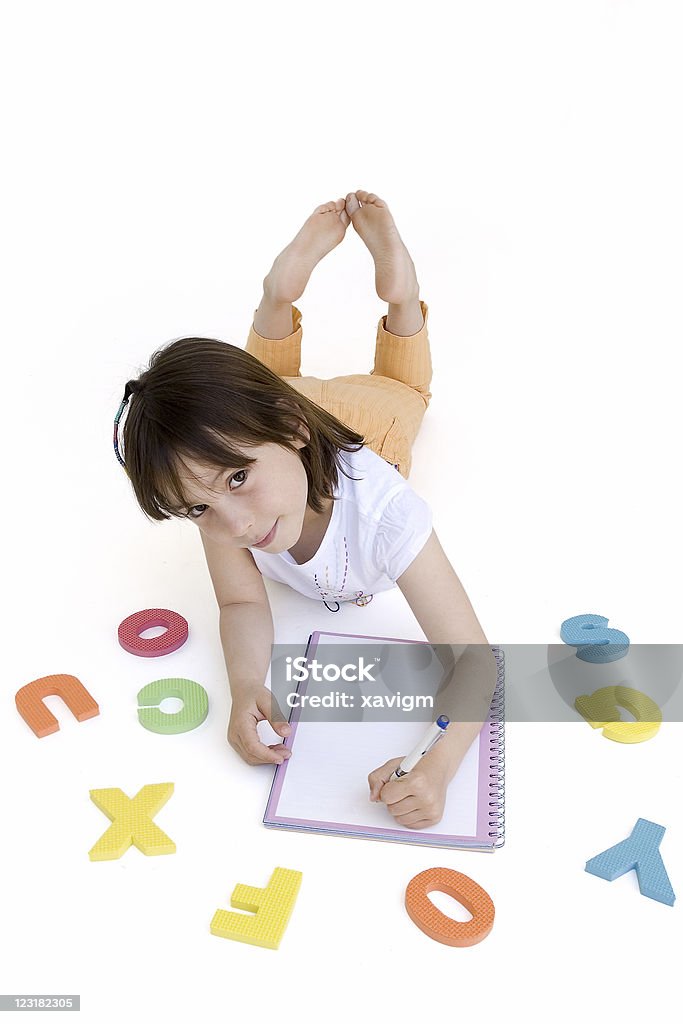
{"x": 132, "y": 822}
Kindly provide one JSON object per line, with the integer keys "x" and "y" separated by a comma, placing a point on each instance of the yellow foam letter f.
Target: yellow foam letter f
{"x": 270, "y": 910}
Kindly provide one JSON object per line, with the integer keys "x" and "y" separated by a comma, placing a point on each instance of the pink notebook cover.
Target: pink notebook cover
{"x": 487, "y": 774}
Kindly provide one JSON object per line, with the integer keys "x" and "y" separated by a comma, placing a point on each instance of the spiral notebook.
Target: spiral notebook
{"x": 323, "y": 786}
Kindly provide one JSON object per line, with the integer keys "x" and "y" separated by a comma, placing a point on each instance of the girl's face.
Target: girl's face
{"x": 262, "y": 506}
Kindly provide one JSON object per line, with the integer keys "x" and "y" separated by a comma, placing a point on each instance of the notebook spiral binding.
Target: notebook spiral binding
{"x": 497, "y": 756}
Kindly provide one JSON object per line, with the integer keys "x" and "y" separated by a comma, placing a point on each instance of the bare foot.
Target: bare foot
{"x": 395, "y": 278}
{"x": 291, "y": 270}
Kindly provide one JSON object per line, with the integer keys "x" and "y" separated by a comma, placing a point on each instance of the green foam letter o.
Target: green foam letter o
{"x": 195, "y": 705}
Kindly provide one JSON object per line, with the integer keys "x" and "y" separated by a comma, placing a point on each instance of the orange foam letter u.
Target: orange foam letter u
{"x": 29, "y": 701}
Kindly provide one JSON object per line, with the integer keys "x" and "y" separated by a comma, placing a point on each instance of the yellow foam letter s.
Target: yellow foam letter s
{"x": 601, "y": 711}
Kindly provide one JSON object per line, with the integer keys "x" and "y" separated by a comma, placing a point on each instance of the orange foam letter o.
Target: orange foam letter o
{"x": 439, "y": 926}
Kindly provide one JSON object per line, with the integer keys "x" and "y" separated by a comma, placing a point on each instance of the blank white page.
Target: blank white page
{"x": 325, "y": 780}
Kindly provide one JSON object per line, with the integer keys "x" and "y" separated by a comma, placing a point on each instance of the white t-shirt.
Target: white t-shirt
{"x": 378, "y": 526}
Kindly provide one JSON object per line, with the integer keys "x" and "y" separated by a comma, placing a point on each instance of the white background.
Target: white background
{"x": 156, "y": 158}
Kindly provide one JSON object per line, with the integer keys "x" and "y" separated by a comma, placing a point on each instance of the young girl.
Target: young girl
{"x": 303, "y": 481}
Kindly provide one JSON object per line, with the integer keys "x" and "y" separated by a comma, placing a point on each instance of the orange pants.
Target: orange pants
{"x": 386, "y": 405}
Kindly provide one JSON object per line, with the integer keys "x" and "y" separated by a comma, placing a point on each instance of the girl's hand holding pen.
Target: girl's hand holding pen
{"x": 249, "y": 707}
{"x": 418, "y": 799}
{"x": 414, "y": 787}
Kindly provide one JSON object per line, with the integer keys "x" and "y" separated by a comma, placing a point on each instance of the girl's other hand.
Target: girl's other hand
{"x": 249, "y": 707}
{"x": 418, "y": 799}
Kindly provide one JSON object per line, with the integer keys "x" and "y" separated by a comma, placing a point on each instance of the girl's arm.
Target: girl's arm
{"x": 246, "y": 629}
{"x": 437, "y": 598}
{"x": 247, "y": 635}
{"x": 443, "y": 610}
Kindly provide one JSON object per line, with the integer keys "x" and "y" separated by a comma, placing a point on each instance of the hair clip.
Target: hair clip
{"x": 128, "y": 391}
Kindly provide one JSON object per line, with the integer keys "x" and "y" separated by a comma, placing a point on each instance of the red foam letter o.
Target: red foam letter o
{"x": 155, "y": 646}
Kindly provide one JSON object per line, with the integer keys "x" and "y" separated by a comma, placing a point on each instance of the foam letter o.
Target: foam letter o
{"x": 194, "y": 711}
{"x": 154, "y": 646}
{"x": 438, "y": 925}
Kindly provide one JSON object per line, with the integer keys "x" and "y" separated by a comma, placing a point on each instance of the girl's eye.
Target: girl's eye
{"x": 196, "y": 511}
{"x": 240, "y": 473}
{"x": 237, "y": 479}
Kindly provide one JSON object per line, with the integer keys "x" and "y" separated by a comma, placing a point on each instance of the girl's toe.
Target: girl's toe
{"x": 352, "y": 204}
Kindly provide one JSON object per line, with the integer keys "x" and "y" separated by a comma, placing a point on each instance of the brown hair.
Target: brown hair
{"x": 202, "y": 398}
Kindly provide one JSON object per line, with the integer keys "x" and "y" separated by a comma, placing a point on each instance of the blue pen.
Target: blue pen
{"x": 429, "y": 740}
